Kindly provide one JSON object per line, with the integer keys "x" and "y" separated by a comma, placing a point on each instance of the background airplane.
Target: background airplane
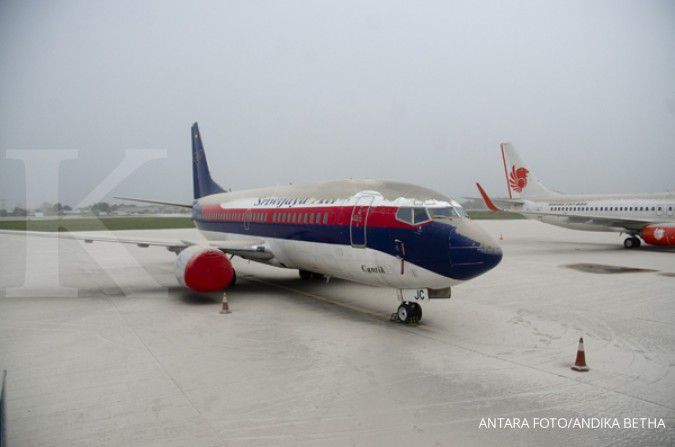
{"x": 375, "y": 232}
{"x": 647, "y": 216}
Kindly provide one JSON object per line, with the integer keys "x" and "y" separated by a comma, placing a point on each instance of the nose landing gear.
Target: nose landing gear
{"x": 408, "y": 313}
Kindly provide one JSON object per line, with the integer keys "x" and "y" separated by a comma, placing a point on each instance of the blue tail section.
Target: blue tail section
{"x": 201, "y": 177}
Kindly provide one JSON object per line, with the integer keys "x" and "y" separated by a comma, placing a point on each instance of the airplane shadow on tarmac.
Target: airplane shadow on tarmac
{"x": 287, "y": 290}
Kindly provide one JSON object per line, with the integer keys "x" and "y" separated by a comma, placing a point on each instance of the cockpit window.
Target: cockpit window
{"x": 420, "y": 215}
{"x": 445, "y": 212}
{"x": 404, "y": 214}
{"x": 412, "y": 216}
{"x": 461, "y": 211}
{"x": 439, "y": 213}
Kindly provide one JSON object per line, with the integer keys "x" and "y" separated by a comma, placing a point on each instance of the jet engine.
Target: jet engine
{"x": 659, "y": 234}
{"x": 204, "y": 269}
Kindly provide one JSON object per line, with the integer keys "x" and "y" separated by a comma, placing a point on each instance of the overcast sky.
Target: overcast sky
{"x": 302, "y": 91}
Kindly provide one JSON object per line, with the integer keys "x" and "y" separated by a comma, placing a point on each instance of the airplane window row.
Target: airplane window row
{"x": 412, "y": 216}
{"x": 605, "y": 208}
{"x": 286, "y": 217}
{"x": 302, "y": 218}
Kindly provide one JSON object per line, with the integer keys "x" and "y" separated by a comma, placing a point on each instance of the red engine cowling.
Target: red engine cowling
{"x": 204, "y": 269}
{"x": 659, "y": 234}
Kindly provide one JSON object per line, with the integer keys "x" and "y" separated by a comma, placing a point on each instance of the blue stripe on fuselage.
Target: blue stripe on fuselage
{"x": 436, "y": 246}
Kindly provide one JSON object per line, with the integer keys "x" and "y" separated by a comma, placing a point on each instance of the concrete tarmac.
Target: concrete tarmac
{"x": 103, "y": 348}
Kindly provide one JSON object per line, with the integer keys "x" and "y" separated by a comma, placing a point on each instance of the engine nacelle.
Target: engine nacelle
{"x": 659, "y": 234}
{"x": 204, "y": 269}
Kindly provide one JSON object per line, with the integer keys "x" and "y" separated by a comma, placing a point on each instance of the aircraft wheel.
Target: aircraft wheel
{"x": 409, "y": 313}
{"x": 631, "y": 242}
{"x": 305, "y": 275}
{"x": 417, "y": 312}
{"x": 404, "y": 313}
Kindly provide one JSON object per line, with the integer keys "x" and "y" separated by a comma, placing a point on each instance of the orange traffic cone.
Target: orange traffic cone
{"x": 226, "y": 306}
{"x": 580, "y": 364}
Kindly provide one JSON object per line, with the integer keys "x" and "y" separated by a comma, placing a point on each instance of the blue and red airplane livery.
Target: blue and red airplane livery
{"x": 382, "y": 233}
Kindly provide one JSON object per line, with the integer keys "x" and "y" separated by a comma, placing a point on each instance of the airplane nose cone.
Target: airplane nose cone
{"x": 473, "y": 252}
{"x": 491, "y": 255}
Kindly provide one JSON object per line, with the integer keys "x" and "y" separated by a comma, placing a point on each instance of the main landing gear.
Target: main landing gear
{"x": 408, "y": 313}
{"x": 306, "y": 275}
{"x": 632, "y": 242}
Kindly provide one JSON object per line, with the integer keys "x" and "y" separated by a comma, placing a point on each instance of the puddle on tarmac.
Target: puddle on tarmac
{"x": 602, "y": 268}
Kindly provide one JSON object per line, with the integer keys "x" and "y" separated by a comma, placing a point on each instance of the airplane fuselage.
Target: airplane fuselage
{"x": 595, "y": 213}
{"x": 373, "y": 232}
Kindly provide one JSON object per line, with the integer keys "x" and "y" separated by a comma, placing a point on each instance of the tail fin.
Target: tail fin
{"x": 521, "y": 181}
{"x": 201, "y": 177}
{"x": 488, "y": 202}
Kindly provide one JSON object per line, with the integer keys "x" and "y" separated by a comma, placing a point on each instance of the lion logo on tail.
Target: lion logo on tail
{"x": 518, "y": 178}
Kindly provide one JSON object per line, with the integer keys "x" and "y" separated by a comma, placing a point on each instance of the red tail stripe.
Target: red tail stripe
{"x": 506, "y": 174}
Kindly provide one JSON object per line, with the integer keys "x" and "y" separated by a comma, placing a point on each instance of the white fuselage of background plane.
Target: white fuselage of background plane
{"x": 595, "y": 213}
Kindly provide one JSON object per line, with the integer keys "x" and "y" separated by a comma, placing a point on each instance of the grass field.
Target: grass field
{"x": 93, "y": 224}
{"x": 489, "y": 215}
{"x": 149, "y": 222}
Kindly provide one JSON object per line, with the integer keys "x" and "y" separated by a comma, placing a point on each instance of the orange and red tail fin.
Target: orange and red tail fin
{"x": 486, "y": 199}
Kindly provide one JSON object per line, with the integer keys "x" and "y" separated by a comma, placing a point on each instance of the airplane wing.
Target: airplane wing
{"x": 631, "y": 224}
{"x": 154, "y": 202}
{"x": 248, "y": 248}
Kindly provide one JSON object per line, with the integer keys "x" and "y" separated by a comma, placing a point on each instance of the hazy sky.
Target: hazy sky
{"x": 301, "y": 91}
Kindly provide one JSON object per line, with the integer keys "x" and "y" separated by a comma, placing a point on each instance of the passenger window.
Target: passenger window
{"x": 421, "y": 215}
{"x": 404, "y": 214}
{"x": 311, "y": 218}
{"x": 304, "y": 217}
{"x": 325, "y": 218}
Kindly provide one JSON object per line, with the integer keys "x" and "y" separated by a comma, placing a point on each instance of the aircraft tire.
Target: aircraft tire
{"x": 409, "y": 313}
{"x": 417, "y": 312}
{"x": 404, "y": 313}
{"x": 631, "y": 242}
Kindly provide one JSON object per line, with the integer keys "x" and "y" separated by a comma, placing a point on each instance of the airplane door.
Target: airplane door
{"x": 247, "y": 219}
{"x": 359, "y": 220}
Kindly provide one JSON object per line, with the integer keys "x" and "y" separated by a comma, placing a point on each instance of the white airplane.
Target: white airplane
{"x": 380, "y": 233}
{"x": 646, "y": 216}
